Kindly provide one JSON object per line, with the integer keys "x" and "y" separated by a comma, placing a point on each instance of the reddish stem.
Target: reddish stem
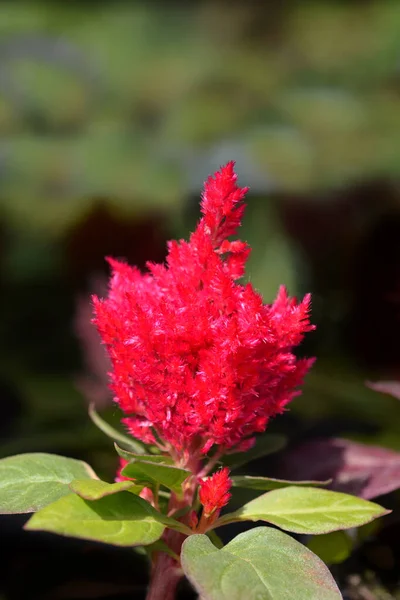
{"x": 166, "y": 572}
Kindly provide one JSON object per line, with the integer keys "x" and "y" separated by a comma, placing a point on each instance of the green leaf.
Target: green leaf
{"x": 28, "y": 482}
{"x": 214, "y": 537}
{"x": 132, "y": 457}
{"x": 160, "y": 546}
{"x": 333, "y": 548}
{"x": 307, "y": 510}
{"x": 94, "y": 489}
{"x": 153, "y": 473}
{"x": 121, "y": 520}
{"x": 265, "y": 444}
{"x": 113, "y": 433}
{"x": 260, "y": 564}
{"x": 268, "y": 483}
{"x": 172, "y": 523}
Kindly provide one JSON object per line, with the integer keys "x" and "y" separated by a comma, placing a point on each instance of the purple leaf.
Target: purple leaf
{"x": 386, "y": 387}
{"x": 365, "y": 471}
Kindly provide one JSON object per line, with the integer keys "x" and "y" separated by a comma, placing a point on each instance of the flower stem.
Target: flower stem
{"x": 166, "y": 572}
{"x": 211, "y": 464}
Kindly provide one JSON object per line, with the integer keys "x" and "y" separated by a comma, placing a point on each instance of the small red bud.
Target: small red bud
{"x": 214, "y": 491}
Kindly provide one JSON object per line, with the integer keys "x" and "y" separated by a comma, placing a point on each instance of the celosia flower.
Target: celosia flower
{"x": 214, "y": 491}
{"x": 197, "y": 358}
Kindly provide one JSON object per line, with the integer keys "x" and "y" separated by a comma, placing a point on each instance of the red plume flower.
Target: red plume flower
{"x": 197, "y": 358}
{"x": 214, "y": 491}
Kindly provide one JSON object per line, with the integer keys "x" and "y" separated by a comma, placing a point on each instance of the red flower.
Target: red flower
{"x": 214, "y": 491}
{"x": 196, "y": 357}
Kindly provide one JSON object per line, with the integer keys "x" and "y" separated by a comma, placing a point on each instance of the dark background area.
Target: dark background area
{"x": 111, "y": 117}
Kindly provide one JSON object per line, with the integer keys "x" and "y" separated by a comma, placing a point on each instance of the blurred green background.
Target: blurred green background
{"x": 113, "y": 114}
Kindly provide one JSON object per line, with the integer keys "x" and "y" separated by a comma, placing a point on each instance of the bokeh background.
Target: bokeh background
{"x": 111, "y": 117}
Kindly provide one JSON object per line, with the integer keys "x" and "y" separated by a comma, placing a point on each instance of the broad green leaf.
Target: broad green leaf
{"x": 121, "y": 520}
{"x": 113, "y": 433}
{"x": 307, "y": 510}
{"x": 28, "y": 482}
{"x": 134, "y": 457}
{"x": 260, "y": 564}
{"x": 268, "y": 483}
{"x": 333, "y": 548}
{"x": 265, "y": 444}
{"x": 91, "y": 489}
{"x": 149, "y": 472}
{"x": 94, "y": 489}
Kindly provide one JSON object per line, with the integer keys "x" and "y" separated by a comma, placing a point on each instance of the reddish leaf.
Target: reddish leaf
{"x": 365, "y": 471}
{"x": 386, "y": 387}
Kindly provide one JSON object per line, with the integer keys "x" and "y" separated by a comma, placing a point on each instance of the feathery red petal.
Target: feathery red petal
{"x": 214, "y": 492}
{"x": 197, "y": 358}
